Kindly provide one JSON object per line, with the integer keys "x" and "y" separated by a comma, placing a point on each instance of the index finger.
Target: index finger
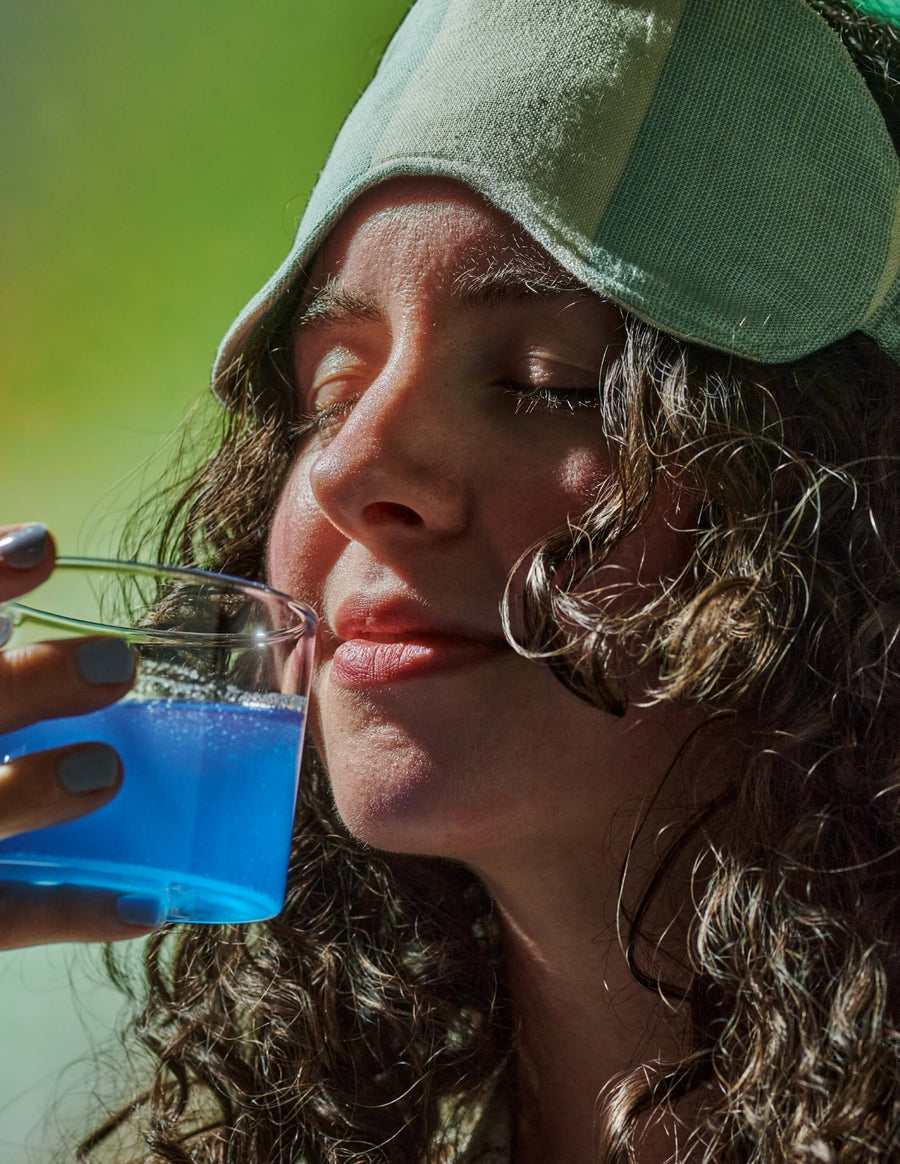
{"x": 27, "y": 555}
{"x": 34, "y": 915}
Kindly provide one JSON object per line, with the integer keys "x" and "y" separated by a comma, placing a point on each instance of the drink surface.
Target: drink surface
{"x": 203, "y": 816}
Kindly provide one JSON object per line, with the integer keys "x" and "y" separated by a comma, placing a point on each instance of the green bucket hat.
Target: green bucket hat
{"x": 717, "y": 167}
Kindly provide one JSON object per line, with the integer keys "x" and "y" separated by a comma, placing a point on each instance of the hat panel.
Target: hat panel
{"x": 546, "y": 104}
{"x": 355, "y": 156}
{"x": 760, "y": 189}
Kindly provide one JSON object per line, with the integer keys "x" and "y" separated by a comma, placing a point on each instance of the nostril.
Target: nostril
{"x": 382, "y": 512}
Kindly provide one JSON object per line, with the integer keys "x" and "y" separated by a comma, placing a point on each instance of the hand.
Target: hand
{"x": 41, "y": 681}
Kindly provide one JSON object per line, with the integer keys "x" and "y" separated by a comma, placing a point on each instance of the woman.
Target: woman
{"x": 607, "y": 685}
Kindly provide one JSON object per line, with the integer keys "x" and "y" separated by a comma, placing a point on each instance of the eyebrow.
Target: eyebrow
{"x": 521, "y": 276}
{"x": 330, "y": 304}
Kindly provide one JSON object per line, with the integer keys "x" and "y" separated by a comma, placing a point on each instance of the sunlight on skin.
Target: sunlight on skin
{"x": 451, "y": 427}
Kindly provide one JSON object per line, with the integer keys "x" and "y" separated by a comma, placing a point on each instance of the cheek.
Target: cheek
{"x": 658, "y": 549}
{"x": 582, "y": 475}
{"x": 541, "y": 502}
{"x": 665, "y": 542}
{"x": 297, "y": 554}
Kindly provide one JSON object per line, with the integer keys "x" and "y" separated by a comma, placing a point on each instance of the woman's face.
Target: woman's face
{"x": 452, "y": 369}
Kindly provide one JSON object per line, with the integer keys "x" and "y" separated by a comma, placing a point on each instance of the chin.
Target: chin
{"x": 401, "y": 801}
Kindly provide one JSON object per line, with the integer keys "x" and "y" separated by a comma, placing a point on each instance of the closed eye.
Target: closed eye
{"x": 325, "y": 420}
{"x": 528, "y": 397}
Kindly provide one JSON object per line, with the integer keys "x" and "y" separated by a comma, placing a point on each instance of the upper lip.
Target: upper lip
{"x": 399, "y": 620}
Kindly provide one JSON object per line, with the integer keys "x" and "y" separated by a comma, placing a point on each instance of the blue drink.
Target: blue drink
{"x": 203, "y": 818}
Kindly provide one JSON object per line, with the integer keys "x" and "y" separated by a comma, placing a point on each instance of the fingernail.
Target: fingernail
{"x": 136, "y": 909}
{"x": 88, "y": 769}
{"x": 25, "y": 547}
{"x": 105, "y": 661}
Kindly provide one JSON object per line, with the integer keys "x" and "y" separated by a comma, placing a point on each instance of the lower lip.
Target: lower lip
{"x": 360, "y": 663}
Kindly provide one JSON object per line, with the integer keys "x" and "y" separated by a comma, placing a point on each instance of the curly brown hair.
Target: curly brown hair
{"x": 367, "y": 1021}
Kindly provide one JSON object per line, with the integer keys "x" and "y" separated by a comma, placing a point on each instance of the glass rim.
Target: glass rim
{"x": 304, "y": 627}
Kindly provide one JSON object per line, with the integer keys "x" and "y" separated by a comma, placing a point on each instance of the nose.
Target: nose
{"x": 396, "y": 468}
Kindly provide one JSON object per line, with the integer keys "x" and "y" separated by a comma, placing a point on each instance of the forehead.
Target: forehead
{"x": 441, "y": 224}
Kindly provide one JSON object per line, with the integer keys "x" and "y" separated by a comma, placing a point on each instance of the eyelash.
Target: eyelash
{"x": 531, "y": 396}
{"x": 310, "y": 422}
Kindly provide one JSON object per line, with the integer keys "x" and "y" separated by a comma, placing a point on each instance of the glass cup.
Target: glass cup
{"x": 210, "y": 738}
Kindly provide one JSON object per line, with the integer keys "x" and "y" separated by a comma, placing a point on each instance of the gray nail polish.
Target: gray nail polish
{"x": 135, "y": 909}
{"x": 25, "y": 547}
{"x": 105, "y": 661}
{"x": 88, "y": 769}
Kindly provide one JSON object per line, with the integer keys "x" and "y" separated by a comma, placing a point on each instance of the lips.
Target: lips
{"x": 388, "y": 642}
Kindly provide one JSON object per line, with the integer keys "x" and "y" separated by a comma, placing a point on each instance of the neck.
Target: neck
{"x": 582, "y": 1017}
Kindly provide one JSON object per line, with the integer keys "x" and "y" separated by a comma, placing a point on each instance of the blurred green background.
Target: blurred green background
{"x": 155, "y": 160}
